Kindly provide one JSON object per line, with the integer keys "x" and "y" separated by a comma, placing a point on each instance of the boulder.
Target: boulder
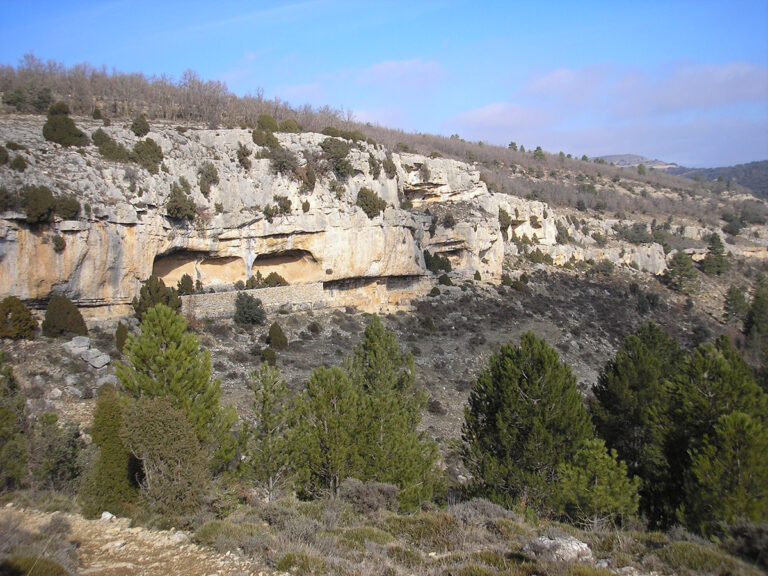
{"x": 96, "y": 358}
{"x": 562, "y": 549}
{"x": 77, "y": 345}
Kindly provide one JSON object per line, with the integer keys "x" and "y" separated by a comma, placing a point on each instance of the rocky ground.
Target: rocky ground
{"x": 450, "y": 337}
{"x": 111, "y": 547}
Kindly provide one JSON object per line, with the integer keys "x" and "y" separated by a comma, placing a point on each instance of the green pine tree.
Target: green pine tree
{"x": 14, "y": 429}
{"x": 594, "y": 488}
{"x": 325, "y": 440}
{"x": 269, "y": 460}
{"x": 524, "y": 419}
{"x": 756, "y": 329}
{"x": 736, "y": 305}
{"x": 393, "y": 450}
{"x": 630, "y": 410}
{"x": 729, "y": 476}
{"x": 165, "y": 360}
{"x": 715, "y": 262}
{"x": 715, "y": 382}
{"x": 154, "y": 292}
{"x": 681, "y": 273}
{"x": 185, "y": 285}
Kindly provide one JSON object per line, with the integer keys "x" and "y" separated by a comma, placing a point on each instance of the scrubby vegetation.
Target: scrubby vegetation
{"x": 248, "y": 310}
{"x": 63, "y": 317}
{"x": 61, "y": 129}
{"x": 16, "y": 321}
{"x": 370, "y": 202}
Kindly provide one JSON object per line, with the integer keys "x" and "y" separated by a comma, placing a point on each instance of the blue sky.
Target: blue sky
{"x": 680, "y": 81}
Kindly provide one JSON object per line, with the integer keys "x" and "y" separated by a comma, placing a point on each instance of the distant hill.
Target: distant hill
{"x": 628, "y": 160}
{"x": 753, "y": 175}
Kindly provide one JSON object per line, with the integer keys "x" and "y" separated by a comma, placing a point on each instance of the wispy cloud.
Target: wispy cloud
{"x": 675, "y": 115}
{"x": 690, "y": 88}
{"x": 403, "y": 74}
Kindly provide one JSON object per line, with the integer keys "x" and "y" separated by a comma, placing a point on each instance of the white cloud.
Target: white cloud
{"x": 395, "y": 74}
{"x": 699, "y": 115}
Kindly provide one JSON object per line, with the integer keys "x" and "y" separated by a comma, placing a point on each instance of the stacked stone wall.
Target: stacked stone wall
{"x": 222, "y": 304}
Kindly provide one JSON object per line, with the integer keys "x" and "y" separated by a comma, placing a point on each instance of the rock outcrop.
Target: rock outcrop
{"x": 124, "y": 234}
{"x": 257, "y": 219}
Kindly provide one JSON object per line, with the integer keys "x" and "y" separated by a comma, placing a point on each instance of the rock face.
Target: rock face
{"x": 257, "y": 220}
{"x": 123, "y": 235}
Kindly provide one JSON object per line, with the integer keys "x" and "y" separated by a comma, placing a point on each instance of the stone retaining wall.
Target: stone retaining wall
{"x": 222, "y": 304}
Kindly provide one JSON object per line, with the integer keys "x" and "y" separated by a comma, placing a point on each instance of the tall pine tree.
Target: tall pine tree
{"x": 166, "y": 360}
{"x": 269, "y": 460}
{"x": 393, "y": 450}
{"x": 630, "y": 412}
{"x": 524, "y": 419}
{"x": 729, "y": 477}
{"x": 325, "y": 439}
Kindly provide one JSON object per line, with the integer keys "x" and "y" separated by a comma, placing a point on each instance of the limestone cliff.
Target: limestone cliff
{"x": 123, "y": 233}
{"x": 258, "y": 220}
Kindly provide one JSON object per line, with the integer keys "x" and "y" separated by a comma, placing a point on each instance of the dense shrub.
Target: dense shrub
{"x": 121, "y": 335}
{"x": 374, "y": 166}
{"x": 148, "y": 155}
{"x": 152, "y": 293}
{"x": 67, "y": 207}
{"x": 140, "y": 126}
{"x": 18, "y": 163}
{"x": 59, "y": 109}
{"x": 243, "y": 156}
{"x": 60, "y": 128}
{"x": 38, "y": 203}
{"x": 31, "y": 565}
{"x": 207, "y": 176}
{"x": 111, "y": 482}
{"x": 58, "y": 243}
{"x": 539, "y": 257}
{"x": 249, "y": 310}
{"x": 110, "y": 149}
{"x": 370, "y": 202}
{"x": 3, "y": 155}
{"x": 265, "y": 139}
{"x": 180, "y": 206}
{"x": 276, "y": 337}
{"x": 390, "y": 169}
{"x": 371, "y": 496}
{"x": 636, "y": 234}
{"x": 283, "y": 161}
{"x": 63, "y": 317}
{"x": 336, "y": 151}
{"x": 16, "y": 321}
{"x": 274, "y": 279}
{"x": 175, "y": 477}
{"x": 267, "y": 123}
{"x": 185, "y": 285}
{"x": 269, "y": 356}
{"x": 54, "y": 454}
{"x": 444, "y": 280}
{"x": 14, "y": 429}
{"x": 8, "y": 201}
{"x": 290, "y": 125}
{"x": 436, "y": 263}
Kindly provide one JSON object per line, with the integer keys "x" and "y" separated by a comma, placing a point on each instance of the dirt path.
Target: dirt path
{"x": 113, "y": 548}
